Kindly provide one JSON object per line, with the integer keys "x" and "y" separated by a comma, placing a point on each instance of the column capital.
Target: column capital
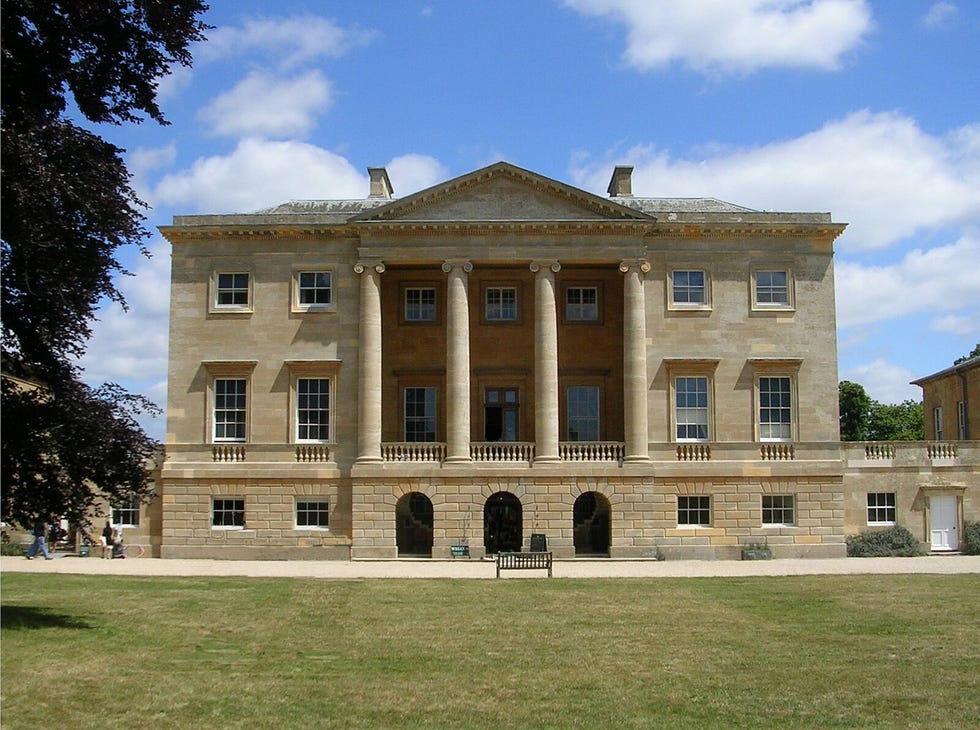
{"x": 464, "y": 264}
{"x": 361, "y": 266}
{"x": 626, "y": 264}
{"x": 536, "y": 266}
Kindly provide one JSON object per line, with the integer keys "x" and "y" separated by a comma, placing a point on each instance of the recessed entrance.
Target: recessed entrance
{"x": 591, "y": 516}
{"x": 942, "y": 523}
{"x": 413, "y": 525}
{"x": 502, "y": 524}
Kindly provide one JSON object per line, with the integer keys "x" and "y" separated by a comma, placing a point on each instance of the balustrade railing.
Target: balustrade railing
{"x": 879, "y": 450}
{"x": 228, "y": 453}
{"x": 413, "y": 451}
{"x": 941, "y": 450}
{"x": 693, "y": 452}
{"x": 592, "y": 450}
{"x": 777, "y": 452}
{"x": 502, "y": 451}
{"x": 312, "y": 453}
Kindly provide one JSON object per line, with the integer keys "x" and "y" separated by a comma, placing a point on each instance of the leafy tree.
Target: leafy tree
{"x": 896, "y": 422}
{"x": 67, "y": 208}
{"x": 865, "y": 419}
{"x": 855, "y": 410}
{"x": 975, "y": 353}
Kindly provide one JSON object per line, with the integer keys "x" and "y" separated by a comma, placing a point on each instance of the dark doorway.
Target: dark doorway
{"x": 413, "y": 525}
{"x": 591, "y": 516}
{"x": 502, "y": 524}
{"x": 501, "y": 414}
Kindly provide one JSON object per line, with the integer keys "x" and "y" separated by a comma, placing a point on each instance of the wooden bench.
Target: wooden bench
{"x": 524, "y": 561}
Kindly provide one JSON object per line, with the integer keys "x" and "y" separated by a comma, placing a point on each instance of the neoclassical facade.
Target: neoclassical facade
{"x": 499, "y": 356}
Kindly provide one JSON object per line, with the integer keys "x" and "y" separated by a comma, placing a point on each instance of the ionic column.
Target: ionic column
{"x": 457, "y": 361}
{"x": 545, "y": 362}
{"x": 635, "y": 361}
{"x": 369, "y": 364}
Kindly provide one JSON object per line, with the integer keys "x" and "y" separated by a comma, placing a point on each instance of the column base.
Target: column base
{"x": 636, "y": 459}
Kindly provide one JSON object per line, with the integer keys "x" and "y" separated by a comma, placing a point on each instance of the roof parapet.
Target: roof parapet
{"x": 621, "y": 184}
{"x": 380, "y": 183}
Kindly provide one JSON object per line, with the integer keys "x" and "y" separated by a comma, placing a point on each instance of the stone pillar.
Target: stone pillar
{"x": 369, "y": 364}
{"x": 635, "y": 362}
{"x": 545, "y": 362}
{"x": 457, "y": 361}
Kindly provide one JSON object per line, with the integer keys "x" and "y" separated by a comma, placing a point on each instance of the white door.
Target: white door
{"x": 942, "y": 516}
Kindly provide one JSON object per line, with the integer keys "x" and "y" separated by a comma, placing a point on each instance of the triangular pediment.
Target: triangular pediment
{"x": 501, "y": 192}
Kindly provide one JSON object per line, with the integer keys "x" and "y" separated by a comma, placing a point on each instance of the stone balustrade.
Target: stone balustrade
{"x": 592, "y": 451}
{"x": 413, "y": 451}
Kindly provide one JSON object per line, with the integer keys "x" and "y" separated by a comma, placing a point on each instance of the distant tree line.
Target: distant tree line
{"x": 864, "y": 419}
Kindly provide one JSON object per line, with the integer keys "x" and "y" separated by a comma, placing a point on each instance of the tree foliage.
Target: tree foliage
{"x": 67, "y": 209}
{"x": 975, "y": 353}
{"x": 864, "y": 419}
{"x": 855, "y": 410}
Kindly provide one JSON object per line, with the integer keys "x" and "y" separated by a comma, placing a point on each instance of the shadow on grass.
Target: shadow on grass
{"x": 32, "y": 617}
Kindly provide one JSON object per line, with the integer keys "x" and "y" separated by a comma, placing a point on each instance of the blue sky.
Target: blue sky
{"x": 868, "y": 109}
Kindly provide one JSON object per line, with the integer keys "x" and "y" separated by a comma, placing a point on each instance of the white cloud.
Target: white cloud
{"x": 958, "y": 324}
{"x": 129, "y": 345}
{"x": 885, "y": 382}
{"x": 266, "y": 105}
{"x": 944, "y": 280}
{"x": 880, "y": 173}
{"x": 736, "y": 36}
{"x": 413, "y": 172}
{"x": 289, "y": 41}
{"x": 145, "y": 160}
{"x": 939, "y": 15}
{"x": 260, "y": 173}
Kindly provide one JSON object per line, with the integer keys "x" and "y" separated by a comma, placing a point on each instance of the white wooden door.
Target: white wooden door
{"x": 942, "y": 516}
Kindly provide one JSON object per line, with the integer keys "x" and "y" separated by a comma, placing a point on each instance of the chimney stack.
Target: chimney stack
{"x": 380, "y": 184}
{"x": 621, "y": 185}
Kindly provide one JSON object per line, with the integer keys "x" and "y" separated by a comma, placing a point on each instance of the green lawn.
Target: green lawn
{"x": 822, "y": 651}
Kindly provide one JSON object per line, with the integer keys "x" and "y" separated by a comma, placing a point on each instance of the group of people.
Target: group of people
{"x": 111, "y": 541}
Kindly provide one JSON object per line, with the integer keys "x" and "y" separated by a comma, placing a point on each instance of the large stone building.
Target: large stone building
{"x": 503, "y": 355}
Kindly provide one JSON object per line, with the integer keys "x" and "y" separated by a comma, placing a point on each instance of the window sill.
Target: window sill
{"x": 315, "y": 309}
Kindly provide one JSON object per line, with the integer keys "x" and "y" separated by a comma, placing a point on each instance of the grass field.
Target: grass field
{"x": 822, "y": 651}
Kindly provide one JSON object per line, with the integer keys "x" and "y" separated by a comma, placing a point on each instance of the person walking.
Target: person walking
{"x": 106, "y": 540}
{"x": 40, "y": 528}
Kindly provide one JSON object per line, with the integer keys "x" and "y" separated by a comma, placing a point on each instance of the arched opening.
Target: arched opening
{"x": 502, "y": 524}
{"x": 413, "y": 525}
{"x": 592, "y": 517}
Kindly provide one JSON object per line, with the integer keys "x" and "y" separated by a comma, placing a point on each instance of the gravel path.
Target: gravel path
{"x": 421, "y": 568}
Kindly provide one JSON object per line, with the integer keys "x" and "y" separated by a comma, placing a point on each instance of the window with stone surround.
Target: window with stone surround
{"x": 228, "y": 513}
{"x": 778, "y": 510}
{"x": 581, "y": 304}
{"x": 691, "y": 408}
{"x": 881, "y": 508}
{"x": 313, "y": 409}
{"x": 232, "y": 291}
{"x": 583, "y": 413}
{"x": 688, "y": 288}
{"x": 420, "y": 304}
{"x": 500, "y": 304}
{"x": 127, "y": 513}
{"x": 775, "y": 408}
{"x": 312, "y": 514}
{"x": 694, "y": 511}
{"x": 313, "y": 291}
{"x": 229, "y": 409}
{"x": 420, "y": 414}
{"x": 772, "y": 289}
